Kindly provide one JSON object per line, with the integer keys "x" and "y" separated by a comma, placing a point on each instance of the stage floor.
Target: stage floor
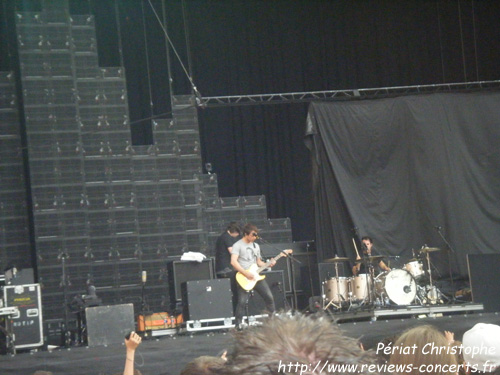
{"x": 168, "y": 355}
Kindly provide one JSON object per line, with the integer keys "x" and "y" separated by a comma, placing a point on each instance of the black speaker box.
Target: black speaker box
{"x": 182, "y": 271}
{"x": 109, "y": 324}
{"x": 306, "y": 273}
{"x": 275, "y": 280}
{"x": 207, "y": 299}
{"x": 300, "y": 249}
{"x": 27, "y": 325}
{"x": 485, "y": 280}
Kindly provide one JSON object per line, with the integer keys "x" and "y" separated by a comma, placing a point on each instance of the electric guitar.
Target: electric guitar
{"x": 256, "y": 270}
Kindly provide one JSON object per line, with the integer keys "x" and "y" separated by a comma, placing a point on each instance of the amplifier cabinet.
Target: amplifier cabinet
{"x": 207, "y": 299}
{"x": 182, "y": 271}
{"x": 109, "y": 324}
{"x": 27, "y": 325}
{"x": 275, "y": 280}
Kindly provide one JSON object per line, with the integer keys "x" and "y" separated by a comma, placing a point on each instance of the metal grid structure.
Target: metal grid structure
{"x": 15, "y": 247}
{"x": 104, "y": 210}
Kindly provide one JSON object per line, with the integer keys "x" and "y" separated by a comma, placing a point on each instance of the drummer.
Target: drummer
{"x": 359, "y": 267}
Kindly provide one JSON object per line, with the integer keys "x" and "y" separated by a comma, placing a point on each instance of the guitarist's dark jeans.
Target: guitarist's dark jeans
{"x": 264, "y": 291}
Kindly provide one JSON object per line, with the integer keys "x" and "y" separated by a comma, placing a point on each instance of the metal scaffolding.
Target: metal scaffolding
{"x": 369, "y": 93}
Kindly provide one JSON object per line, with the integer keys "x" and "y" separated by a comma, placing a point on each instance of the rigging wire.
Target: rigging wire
{"x": 6, "y": 35}
{"x": 193, "y": 86}
{"x": 186, "y": 37}
{"x": 440, "y": 42}
{"x": 167, "y": 53}
{"x": 475, "y": 39}
{"x": 147, "y": 58}
{"x": 462, "y": 39}
{"x": 119, "y": 32}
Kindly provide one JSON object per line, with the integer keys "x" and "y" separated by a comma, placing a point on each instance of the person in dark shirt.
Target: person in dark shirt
{"x": 223, "y": 248}
{"x": 368, "y": 251}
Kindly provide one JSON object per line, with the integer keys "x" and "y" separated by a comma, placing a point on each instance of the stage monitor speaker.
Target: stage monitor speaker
{"x": 109, "y": 324}
{"x": 256, "y": 305}
{"x": 207, "y": 299}
{"x": 484, "y": 280}
{"x": 182, "y": 271}
{"x": 27, "y": 325}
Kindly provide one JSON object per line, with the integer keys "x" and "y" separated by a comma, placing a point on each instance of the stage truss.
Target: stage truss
{"x": 368, "y": 93}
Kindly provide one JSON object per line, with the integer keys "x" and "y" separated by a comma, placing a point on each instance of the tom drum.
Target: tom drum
{"x": 416, "y": 269}
{"x": 337, "y": 291}
{"x": 361, "y": 286}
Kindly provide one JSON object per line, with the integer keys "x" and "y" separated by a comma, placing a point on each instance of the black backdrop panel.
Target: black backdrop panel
{"x": 299, "y": 249}
{"x": 397, "y": 168}
{"x": 485, "y": 280}
{"x": 306, "y": 273}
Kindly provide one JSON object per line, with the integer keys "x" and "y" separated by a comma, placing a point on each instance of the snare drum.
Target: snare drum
{"x": 337, "y": 292}
{"x": 361, "y": 286}
{"x": 415, "y": 268}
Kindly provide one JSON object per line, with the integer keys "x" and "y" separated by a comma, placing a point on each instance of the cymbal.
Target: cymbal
{"x": 429, "y": 249}
{"x": 370, "y": 259}
{"x": 336, "y": 259}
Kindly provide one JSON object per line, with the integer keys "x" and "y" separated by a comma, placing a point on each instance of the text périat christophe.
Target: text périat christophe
{"x": 431, "y": 348}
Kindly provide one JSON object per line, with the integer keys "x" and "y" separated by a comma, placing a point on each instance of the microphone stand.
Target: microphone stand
{"x": 63, "y": 256}
{"x": 450, "y": 250}
{"x": 292, "y": 271}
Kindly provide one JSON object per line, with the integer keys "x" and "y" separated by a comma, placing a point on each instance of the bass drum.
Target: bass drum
{"x": 398, "y": 285}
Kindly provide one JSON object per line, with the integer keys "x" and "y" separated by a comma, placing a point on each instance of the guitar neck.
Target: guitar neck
{"x": 260, "y": 269}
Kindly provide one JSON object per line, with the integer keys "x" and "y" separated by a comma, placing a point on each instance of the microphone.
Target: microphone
{"x": 144, "y": 276}
{"x": 407, "y": 289}
{"x": 438, "y": 228}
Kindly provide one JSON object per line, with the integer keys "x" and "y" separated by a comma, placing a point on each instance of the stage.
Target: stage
{"x": 410, "y": 311}
{"x": 169, "y": 354}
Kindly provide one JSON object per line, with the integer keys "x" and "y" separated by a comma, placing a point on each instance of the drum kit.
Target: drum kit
{"x": 410, "y": 285}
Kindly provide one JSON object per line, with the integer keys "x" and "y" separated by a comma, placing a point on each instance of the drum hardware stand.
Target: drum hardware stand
{"x": 450, "y": 250}
{"x": 433, "y": 294}
{"x": 338, "y": 289}
{"x": 421, "y": 296}
{"x": 63, "y": 256}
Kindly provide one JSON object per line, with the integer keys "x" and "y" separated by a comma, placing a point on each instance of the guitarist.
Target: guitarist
{"x": 244, "y": 254}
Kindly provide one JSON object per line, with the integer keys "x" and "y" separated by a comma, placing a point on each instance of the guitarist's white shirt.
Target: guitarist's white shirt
{"x": 248, "y": 253}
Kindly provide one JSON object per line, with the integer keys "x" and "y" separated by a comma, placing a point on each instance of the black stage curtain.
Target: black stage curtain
{"x": 258, "y": 47}
{"x": 398, "y": 168}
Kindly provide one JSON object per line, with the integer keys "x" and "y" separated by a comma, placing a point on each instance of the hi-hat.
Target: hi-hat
{"x": 336, "y": 259}
{"x": 429, "y": 249}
